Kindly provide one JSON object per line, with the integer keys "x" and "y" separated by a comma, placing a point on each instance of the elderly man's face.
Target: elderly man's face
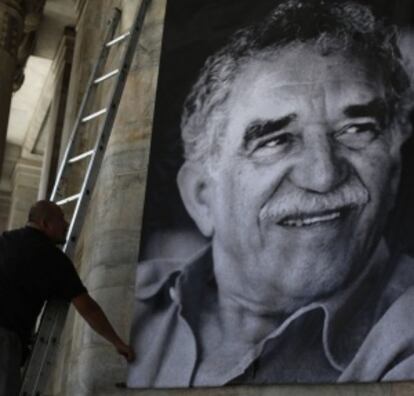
{"x": 305, "y": 176}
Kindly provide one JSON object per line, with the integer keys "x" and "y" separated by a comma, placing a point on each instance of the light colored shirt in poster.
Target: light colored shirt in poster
{"x": 363, "y": 333}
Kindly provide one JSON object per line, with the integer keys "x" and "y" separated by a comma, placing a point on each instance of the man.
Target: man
{"x": 292, "y": 138}
{"x": 33, "y": 270}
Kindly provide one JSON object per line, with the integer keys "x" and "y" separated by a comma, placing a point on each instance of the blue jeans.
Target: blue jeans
{"x": 10, "y": 356}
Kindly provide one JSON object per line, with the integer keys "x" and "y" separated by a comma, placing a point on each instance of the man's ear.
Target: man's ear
{"x": 195, "y": 186}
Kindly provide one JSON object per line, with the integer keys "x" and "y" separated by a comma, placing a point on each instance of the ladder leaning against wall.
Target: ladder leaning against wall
{"x": 85, "y": 164}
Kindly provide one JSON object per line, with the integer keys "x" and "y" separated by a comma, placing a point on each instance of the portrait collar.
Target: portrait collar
{"x": 348, "y": 315}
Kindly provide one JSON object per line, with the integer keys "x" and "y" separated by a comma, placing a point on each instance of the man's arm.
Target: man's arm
{"x": 89, "y": 309}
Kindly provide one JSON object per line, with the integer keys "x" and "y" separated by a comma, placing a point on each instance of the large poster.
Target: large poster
{"x": 278, "y": 224}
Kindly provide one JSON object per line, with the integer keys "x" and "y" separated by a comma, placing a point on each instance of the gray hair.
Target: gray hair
{"x": 332, "y": 25}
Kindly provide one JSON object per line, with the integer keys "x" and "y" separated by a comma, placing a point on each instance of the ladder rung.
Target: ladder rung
{"x": 68, "y": 199}
{"x": 81, "y": 156}
{"x": 94, "y": 115}
{"x": 106, "y": 76}
{"x": 117, "y": 39}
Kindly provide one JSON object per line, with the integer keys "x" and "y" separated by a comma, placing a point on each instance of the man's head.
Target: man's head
{"x": 292, "y": 138}
{"x": 49, "y": 218}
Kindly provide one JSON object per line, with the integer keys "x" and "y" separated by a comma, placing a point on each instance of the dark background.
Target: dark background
{"x": 194, "y": 29}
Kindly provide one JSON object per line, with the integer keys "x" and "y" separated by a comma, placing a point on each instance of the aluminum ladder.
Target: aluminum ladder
{"x": 54, "y": 314}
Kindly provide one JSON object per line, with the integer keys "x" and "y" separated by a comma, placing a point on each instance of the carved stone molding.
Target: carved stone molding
{"x": 11, "y": 25}
{"x": 33, "y": 10}
{"x": 19, "y": 22}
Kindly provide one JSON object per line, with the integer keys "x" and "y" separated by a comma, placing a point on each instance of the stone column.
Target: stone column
{"x": 25, "y": 182}
{"x": 11, "y": 31}
{"x": 62, "y": 65}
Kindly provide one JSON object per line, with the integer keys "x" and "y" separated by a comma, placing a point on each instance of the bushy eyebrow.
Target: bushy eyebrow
{"x": 376, "y": 108}
{"x": 259, "y": 128}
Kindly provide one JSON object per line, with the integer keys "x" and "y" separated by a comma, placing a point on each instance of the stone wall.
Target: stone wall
{"x": 108, "y": 251}
{"x": 107, "y": 254}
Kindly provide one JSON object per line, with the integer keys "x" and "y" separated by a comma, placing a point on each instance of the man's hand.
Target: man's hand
{"x": 126, "y": 351}
{"x": 93, "y": 314}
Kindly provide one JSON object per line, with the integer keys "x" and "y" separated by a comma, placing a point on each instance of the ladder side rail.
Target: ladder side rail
{"x": 54, "y": 314}
{"x": 103, "y": 55}
{"x": 59, "y": 319}
{"x": 101, "y": 143}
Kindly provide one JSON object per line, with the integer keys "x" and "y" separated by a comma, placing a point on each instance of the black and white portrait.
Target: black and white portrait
{"x": 277, "y": 233}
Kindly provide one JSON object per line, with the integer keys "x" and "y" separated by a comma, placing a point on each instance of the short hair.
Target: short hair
{"x": 43, "y": 210}
{"x": 333, "y": 26}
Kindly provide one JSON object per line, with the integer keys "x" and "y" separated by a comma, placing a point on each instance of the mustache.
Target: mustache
{"x": 299, "y": 203}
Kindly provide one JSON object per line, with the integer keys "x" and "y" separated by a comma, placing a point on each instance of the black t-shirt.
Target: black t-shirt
{"x": 32, "y": 270}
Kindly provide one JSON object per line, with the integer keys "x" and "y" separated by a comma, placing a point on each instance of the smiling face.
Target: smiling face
{"x": 305, "y": 177}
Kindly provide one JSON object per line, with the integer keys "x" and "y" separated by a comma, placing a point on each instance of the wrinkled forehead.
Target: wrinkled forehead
{"x": 305, "y": 65}
{"x": 300, "y": 76}
{"x": 288, "y": 78}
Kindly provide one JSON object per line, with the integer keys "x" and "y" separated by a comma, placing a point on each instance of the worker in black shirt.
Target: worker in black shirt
{"x": 32, "y": 270}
